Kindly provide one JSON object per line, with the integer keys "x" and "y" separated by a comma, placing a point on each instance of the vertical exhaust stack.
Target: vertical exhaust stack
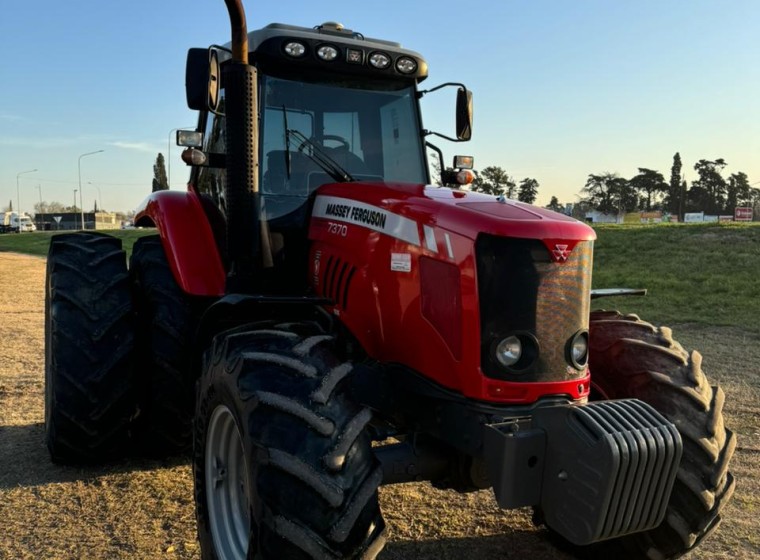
{"x": 242, "y": 190}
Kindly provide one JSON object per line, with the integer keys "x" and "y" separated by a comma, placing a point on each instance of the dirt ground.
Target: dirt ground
{"x": 144, "y": 509}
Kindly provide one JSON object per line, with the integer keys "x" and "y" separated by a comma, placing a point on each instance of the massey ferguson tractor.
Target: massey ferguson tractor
{"x": 315, "y": 320}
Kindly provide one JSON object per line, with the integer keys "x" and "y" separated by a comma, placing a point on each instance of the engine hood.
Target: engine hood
{"x": 463, "y": 212}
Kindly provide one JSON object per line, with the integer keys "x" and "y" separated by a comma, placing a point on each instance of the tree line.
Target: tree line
{"x": 711, "y": 192}
{"x": 496, "y": 181}
{"x": 648, "y": 190}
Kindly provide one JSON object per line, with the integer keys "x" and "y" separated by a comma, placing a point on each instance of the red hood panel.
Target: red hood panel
{"x": 504, "y": 210}
{"x": 466, "y": 213}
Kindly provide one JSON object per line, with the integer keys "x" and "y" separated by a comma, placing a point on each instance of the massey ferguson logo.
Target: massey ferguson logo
{"x": 561, "y": 252}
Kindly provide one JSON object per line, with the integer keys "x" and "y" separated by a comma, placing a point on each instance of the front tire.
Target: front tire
{"x": 283, "y": 464}
{"x": 630, "y": 358}
{"x": 89, "y": 397}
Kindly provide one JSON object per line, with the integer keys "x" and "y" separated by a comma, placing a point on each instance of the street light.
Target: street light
{"x": 75, "y": 209}
{"x": 169, "y": 154}
{"x": 79, "y": 168}
{"x": 18, "y": 197}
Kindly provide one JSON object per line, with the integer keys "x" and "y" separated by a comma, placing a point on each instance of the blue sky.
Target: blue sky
{"x": 562, "y": 88}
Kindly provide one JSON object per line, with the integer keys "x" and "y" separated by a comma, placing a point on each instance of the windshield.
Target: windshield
{"x": 372, "y": 134}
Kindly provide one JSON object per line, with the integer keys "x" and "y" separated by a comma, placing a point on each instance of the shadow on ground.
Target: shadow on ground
{"x": 515, "y": 544}
{"x": 25, "y": 462}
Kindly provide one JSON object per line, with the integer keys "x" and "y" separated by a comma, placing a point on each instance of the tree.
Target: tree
{"x": 609, "y": 193}
{"x": 160, "y": 182}
{"x": 528, "y": 190}
{"x": 580, "y": 209}
{"x": 674, "y": 200}
{"x": 754, "y": 202}
{"x": 648, "y": 184}
{"x": 54, "y": 207}
{"x": 737, "y": 191}
{"x": 555, "y": 205}
{"x": 494, "y": 180}
{"x": 711, "y": 186}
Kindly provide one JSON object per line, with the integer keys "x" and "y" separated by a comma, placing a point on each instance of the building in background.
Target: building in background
{"x": 55, "y": 221}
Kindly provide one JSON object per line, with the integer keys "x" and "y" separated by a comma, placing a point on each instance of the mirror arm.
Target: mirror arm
{"x": 438, "y": 151}
{"x": 436, "y": 88}
{"x": 430, "y": 132}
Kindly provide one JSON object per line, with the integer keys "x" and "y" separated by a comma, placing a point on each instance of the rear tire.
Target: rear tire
{"x": 630, "y": 358}
{"x": 283, "y": 465}
{"x": 89, "y": 398}
{"x": 166, "y": 384}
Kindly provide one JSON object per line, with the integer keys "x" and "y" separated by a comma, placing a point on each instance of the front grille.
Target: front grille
{"x": 522, "y": 290}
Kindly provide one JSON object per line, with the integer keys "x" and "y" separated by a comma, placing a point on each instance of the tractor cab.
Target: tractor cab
{"x": 333, "y": 106}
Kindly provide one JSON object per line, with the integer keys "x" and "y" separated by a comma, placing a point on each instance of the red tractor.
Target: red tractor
{"x": 315, "y": 320}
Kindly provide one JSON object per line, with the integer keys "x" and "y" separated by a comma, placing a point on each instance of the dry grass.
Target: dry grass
{"x": 144, "y": 509}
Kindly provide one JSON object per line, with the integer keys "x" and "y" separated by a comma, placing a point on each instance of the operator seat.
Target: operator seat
{"x": 275, "y": 179}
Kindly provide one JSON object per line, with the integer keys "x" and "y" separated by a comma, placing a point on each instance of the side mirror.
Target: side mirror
{"x": 202, "y": 77}
{"x": 464, "y": 114}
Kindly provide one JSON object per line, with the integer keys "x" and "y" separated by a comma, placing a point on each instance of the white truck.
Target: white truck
{"x": 13, "y": 223}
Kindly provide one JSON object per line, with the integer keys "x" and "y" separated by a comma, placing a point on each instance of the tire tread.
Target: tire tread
{"x": 630, "y": 358}
{"x": 90, "y": 400}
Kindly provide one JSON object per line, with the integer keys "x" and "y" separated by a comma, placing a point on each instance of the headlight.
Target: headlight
{"x": 295, "y": 49}
{"x": 406, "y": 65}
{"x": 509, "y": 351}
{"x": 380, "y": 60}
{"x": 578, "y": 350}
{"x": 327, "y": 52}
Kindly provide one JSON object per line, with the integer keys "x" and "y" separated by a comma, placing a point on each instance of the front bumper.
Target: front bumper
{"x": 597, "y": 471}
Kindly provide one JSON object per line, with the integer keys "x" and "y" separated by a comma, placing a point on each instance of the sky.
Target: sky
{"x": 561, "y": 88}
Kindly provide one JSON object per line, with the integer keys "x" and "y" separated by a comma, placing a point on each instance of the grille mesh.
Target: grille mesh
{"x": 522, "y": 290}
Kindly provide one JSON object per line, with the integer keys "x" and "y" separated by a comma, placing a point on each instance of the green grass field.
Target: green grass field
{"x": 37, "y": 243}
{"x": 703, "y": 274}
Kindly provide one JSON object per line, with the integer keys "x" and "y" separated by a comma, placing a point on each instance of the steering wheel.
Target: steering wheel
{"x": 331, "y": 138}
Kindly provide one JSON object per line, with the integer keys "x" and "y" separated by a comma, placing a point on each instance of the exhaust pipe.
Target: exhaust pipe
{"x": 239, "y": 30}
{"x": 242, "y": 189}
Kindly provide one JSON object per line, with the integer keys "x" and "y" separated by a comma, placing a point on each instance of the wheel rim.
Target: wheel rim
{"x": 226, "y": 488}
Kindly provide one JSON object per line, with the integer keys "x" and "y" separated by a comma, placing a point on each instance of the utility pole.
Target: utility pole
{"x": 79, "y": 168}
{"x": 75, "y": 209}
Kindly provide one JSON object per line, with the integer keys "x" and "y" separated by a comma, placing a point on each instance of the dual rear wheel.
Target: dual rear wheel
{"x": 117, "y": 351}
{"x": 282, "y": 461}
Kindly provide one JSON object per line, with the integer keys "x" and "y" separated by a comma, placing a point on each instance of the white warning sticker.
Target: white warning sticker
{"x": 401, "y": 262}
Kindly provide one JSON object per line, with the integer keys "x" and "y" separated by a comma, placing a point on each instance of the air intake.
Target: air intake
{"x": 337, "y": 280}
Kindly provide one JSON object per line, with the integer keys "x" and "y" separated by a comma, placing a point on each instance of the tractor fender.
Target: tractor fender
{"x": 187, "y": 239}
